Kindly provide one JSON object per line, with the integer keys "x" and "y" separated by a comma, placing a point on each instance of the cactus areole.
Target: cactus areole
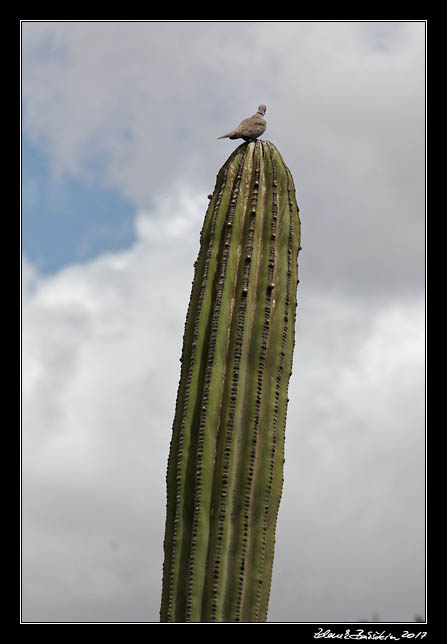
{"x": 225, "y": 466}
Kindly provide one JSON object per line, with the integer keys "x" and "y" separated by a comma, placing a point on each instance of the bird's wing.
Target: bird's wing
{"x": 243, "y": 124}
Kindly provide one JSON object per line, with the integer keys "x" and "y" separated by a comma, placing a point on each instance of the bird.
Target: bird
{"x": 249, "y": 129}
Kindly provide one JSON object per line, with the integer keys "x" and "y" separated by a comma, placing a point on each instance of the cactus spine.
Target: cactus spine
{"x": 225, "y": 467}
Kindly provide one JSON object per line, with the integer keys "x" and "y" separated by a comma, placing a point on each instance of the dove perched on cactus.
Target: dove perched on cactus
{"x": 249, "y": 129}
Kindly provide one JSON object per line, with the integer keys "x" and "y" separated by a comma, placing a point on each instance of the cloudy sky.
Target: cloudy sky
{"x": 119, "y": 153}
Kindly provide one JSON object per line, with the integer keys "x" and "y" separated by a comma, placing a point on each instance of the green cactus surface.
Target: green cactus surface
{"x": 225, "y": 466}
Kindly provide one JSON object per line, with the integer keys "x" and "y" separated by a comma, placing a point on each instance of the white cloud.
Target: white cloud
{"x": 138, "y": 106}
{"x": 101, "y": 347}
{"x": 101, "y": 343}
{"x": 351, "y": 523}
{"x": 178, "y": 215}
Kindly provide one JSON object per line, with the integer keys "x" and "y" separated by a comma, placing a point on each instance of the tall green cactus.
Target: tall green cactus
{"x": 225, "y": 467}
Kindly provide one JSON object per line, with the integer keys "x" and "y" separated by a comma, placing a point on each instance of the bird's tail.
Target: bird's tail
{"x": 225, "y": 136}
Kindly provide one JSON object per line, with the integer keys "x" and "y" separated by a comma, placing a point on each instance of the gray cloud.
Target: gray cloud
{"x": 138, "y": 106}
{"x": 145, "y": 101}
{"x": 352, "y": 515}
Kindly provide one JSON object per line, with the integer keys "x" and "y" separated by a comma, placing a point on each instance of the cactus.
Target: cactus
{"x": 225, "y": 466}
